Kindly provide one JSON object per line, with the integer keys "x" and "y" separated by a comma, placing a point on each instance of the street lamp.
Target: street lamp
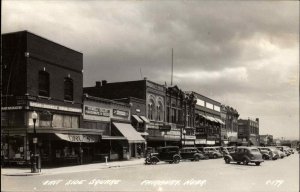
{"x": 184, "y": 132}
{"x": 34, "y": 167}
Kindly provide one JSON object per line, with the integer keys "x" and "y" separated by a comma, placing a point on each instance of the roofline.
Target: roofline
{"x": 105, "y": 100}
{"x": 26, "y": 31}
{"x": 203, "y": 96}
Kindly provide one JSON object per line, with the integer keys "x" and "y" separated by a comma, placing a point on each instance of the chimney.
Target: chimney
{"x": 257, "y": 120}
{"x": 104, "y": 82}
{"x": 98, "y": 84}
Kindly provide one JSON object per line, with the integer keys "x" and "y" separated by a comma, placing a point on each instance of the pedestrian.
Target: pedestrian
{"x": 139, "y": 150}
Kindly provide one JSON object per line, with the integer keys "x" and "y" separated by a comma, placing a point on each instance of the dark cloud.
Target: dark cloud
{"x": 244, "y": 54}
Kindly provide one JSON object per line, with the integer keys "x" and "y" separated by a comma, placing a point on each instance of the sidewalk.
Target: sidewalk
{"x": 71, "y": 169}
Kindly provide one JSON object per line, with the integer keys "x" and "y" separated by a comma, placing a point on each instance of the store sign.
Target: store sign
{"x": 200, "y": 141}
{"x": 210, "y": 142}
{"x": 78, "y": 138}
{"x": 11, "y": 108}
{"x": 54, "y": 107}
{"x": 117, "y": 112}
{"x": 97, "y": 111}
{"x": 164, "y": 127}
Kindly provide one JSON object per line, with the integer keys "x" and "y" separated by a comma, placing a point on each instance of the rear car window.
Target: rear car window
{"x": 254, "y": 150}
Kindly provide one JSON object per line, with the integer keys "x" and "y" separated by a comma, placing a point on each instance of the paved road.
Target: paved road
{"x": 206, "y": 175}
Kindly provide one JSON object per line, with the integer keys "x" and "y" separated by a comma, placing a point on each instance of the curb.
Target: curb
{"x": 54, "y": 173}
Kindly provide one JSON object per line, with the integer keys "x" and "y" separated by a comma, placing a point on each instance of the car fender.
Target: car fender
{"x": 228, "y": 156}
{"x": 176, "y": 155}
{"x": 246, "y": 157}
{"x": 154, "y": 158}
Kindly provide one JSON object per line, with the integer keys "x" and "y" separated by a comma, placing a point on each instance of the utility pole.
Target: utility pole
{"x": 172, "y": 69}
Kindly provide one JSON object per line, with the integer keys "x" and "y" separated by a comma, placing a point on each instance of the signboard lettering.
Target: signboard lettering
{"x": 117, "y": 112}
{"x": 97, "y": 111}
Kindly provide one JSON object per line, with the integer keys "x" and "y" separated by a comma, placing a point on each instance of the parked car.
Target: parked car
{"x": 245, "y": 155}
{"x": 284, "y": 150}
{"x": 279, "y": 153}
{"x": 192, "y": 153}
{"x": 169, "y": 154}
{"x": 211, "y": 152}
{"x": 268, "y": 153}
{"x": 230, "y": 149}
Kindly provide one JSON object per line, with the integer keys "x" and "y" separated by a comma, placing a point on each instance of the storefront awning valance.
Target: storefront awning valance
{"x": 78, "y": 138}
{"x": 212, "y": 119}
{"x": 145, "y": 119}
{"x": 137, "y": 119}
{"x": 113, "y": 138}
{"x": 129, "y": 133}
{"x": 144, "y": 133}
{"x": 219, "y": 120}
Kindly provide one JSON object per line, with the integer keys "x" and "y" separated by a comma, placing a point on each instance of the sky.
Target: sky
{"x": 241, "y": 54}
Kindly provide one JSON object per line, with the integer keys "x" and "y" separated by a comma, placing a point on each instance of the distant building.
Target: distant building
{"x": 248, "y": 130}
{"x": 266, "y": 140}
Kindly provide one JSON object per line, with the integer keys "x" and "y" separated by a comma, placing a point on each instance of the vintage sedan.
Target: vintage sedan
{"x": 192, "y": 153}
{"x": 169, "y": 154}
{"x": 268, "y": 153}
{"x": 211, "y": 152}
{"x": 245, "y": 155}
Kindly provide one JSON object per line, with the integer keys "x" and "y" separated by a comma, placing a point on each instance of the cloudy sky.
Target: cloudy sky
{"x": 242, "y": 54}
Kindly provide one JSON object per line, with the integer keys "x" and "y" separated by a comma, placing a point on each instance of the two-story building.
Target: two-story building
{"x": 207, "y": 121}
{"x": 229, "y": 130}
{"x": 248, "y": 131}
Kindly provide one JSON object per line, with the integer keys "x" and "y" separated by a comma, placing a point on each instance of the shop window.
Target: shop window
{"x": 68, "y": 89}
{"x": 44, "y": 83}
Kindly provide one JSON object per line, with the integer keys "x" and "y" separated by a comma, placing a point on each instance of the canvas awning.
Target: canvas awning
{"x": 145, "y": 119}
{"x": 76, "y": 138}
{"x": 129, "y": 133}
{"x": 137, "y": 118}
{"x": 219, "y": 120}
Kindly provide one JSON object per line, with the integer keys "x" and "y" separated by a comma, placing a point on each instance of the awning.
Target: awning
{"x": 219, "y": 120}
{"x": 145, "y": 119}
{"x": 104, "y": 137}
{"x": 78, "y": 138}
{"x": 129, "y": 133}
{"x": 137, "y": 118}
{"x": 212, "y": 119}
{"x": 144, "y": 133}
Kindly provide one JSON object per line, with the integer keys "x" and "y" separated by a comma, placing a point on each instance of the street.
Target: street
{"x": 205, "y": 175}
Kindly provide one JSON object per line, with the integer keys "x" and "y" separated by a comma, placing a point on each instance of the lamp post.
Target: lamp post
{"x": 34, "y": 166}
{"x": 184, "y": 132}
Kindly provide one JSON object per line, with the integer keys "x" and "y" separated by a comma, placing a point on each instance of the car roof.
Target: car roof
{"x": 168, "y": 147}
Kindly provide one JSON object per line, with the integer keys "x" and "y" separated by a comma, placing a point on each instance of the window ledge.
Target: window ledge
{"x": 68, "y": 101}
{"x": 44, "y": 97}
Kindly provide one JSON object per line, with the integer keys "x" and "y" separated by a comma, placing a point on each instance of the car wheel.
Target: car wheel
{"x": 245, "y": 162}
{"x": 238, "y": 162}
{"x": 215, "y": 156}
{"x": 257, "y": 163}
{"x": 154, "y": 161}
{"x": 176, "y": 159}
{"x": 197, "y": 158}
{"x": 227, "y": 160}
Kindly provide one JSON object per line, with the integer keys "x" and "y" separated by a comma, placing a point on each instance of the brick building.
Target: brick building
{"x": 43, "y": 76}
{"x": 248, "y": 131}
{"x": 229, "y": 130}
{"x": 207, "y": 121}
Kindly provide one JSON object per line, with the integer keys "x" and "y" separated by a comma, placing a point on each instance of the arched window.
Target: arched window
{"x": 68, "y": 89}
{"x": 44, "y": 84}
{"x": 151, "y": 109}
{"x": 160, "y": 112}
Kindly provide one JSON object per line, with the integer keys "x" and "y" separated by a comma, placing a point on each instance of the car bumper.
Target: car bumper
{"x": 256, "y": 161}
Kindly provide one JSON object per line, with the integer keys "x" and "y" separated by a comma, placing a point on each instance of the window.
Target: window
{"x": 160, "y": 112}
{"x": 151, "y": 109}
{"x": 68, "y": 89}
{"x": 44, "y": 83}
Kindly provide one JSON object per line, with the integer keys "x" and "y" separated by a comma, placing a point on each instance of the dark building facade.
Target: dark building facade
{"x": 248, "y": 131}
{"x": 42, "y": 76}
{"x": 207, "y": 121}
{"x": 229, "y": 130}
{"x": 180, "y": 115}
{"x": 148, "y": 105}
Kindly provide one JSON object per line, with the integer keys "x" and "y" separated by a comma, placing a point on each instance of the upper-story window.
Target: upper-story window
{"x": 151, "y": 109}
{"x": 160, "y": 112}
{"x": 44, "y": 84}
{"x": 68, "y": 89}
